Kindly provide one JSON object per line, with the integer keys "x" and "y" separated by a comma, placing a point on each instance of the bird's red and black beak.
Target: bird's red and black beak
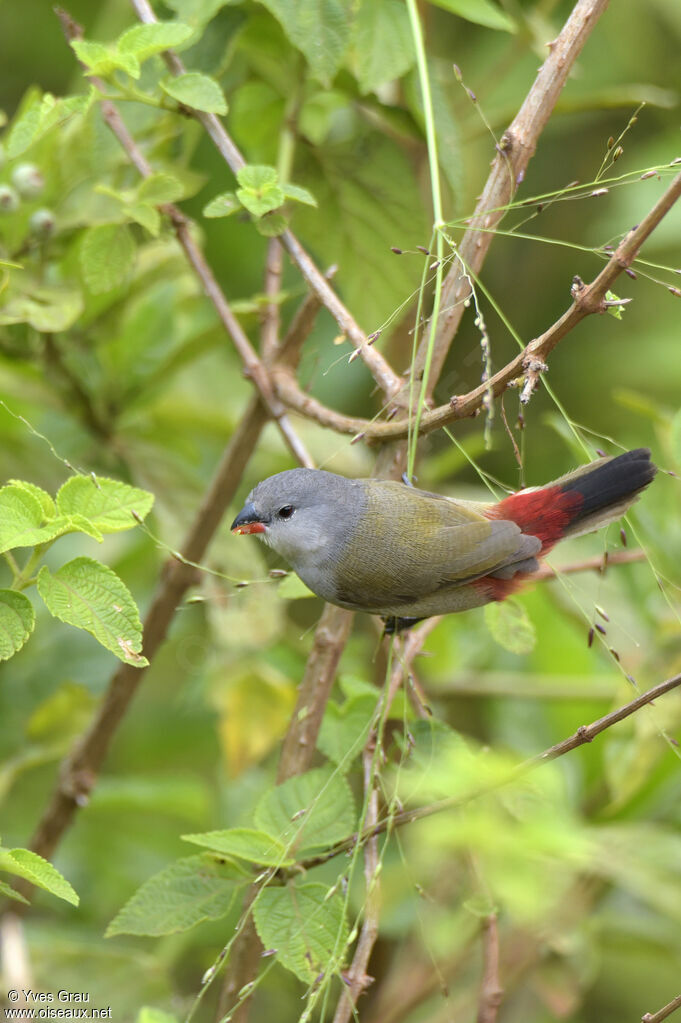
{"x": 248, "y": 521}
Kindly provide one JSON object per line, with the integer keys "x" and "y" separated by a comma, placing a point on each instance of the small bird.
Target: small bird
{"x": 406, "y": 554}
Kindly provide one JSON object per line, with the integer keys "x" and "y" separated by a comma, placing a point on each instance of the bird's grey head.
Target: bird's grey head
{"x": 302, "y": 512}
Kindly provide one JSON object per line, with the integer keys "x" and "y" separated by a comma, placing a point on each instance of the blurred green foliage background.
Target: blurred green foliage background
{"x": 138, "y": 382}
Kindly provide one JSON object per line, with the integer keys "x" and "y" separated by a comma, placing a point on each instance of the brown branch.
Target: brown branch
{"x": 515, "y": 150}
{"x": 584, "y": 734}
{"x": 78, "y": 773}
{"x": 271, "y": 319}
{"x": 587, "y": 299}
{"x": 666, "y": 1010}
{"x": 599, "y": 564}
{"x": 253, "y": 367}
{"x": 385, "y": 377}
{"x": 314, "y": 690}
{"x": 491, "y": 991}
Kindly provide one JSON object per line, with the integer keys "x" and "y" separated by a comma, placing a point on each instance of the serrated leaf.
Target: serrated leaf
{"x": 257, "y": 176}
{"x": 260, "y": 190}
{"x": 304, "y": 926}
{"x": 293, "y": 588}
{"x": 12, "y": 893}
{"x": 17, "y": 619}
{"x": 160, "y": 188}
{"x": 192, "y": 889}
{"x": 38, "y": 871}
{"x": 309, "y": 811}
{"x": 271, "y": 225}
{"x": 383, "y": 47}
{"x": 345, "y": 729}
{"x": 245, "y": 843}
{"x": 90, "y": 596}
{"x": 102, "y": 60}
{"x": 299, "y": 194}
{"x": 47, "y": 504}
{"x": 145, "y": 40}
{"x": 222, "y": 205}
{"x": 147, "y": 217}
{"x": 198, "y": 91}
{"x": 482, "y": 12}
{"x": 510, "y": 626}
{"x": 320, "y": 29}
{"x": 22, "y": 520}
{"x": 106, "y": 256}
{"x": 107, "y": 504}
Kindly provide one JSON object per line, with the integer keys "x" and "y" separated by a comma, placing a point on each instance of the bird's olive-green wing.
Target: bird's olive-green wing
{"x": 415, "y": 543}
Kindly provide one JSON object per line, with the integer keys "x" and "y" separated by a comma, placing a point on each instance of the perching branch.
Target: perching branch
{"x": 385, "y": 377}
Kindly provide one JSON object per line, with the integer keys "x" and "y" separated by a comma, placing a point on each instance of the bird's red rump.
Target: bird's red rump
{"x": 543, "y": 513}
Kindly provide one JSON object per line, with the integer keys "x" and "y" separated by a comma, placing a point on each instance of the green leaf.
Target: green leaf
{"x": 107, "y": 504}
{"x": 368, "y": 201}
{"x": 307, "y": 929}
{"x": 198, "y": 91}
{"x": 246, "y": 844}
{"x": 345, "y": 728}
{"x": 160, "y": 188}
{"x": 90, "y": 596}
{"x": 510, "y": 626}
{"x": 320, "y": 29}
{"x": 293, "y": 588}
{"x": 17, "y": 619}
{"x": 46, "y": 502}
{"x": 383, "y": 48}
{"x": 147, "y": 217}
{"x": 197, "y": 12}
{"x": 271, "y": 225}
{"x": 260, "y": 190}
{"x": 49, "y": 310}
{"x": 102, "y": 60}
{"x": 482, "y": 12}
{"x": 145, "y": 40}
{"x": 38, "y": 871}
{"x": 22, "y": 520}
{"x": 299, "y": 194}
{"x": 615, "y": 310}
{"x": 222, "y": 205}
{"x": 193, "y": 889}
{"x": 12, "y": 893}
{"x": 107, "y": 253}
{"x": 309, "y": 811}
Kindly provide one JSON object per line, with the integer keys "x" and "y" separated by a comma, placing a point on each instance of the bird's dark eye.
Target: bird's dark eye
{"x": 286, "y": 512}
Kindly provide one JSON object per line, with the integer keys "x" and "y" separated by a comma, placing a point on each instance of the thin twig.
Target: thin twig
{"x": 357, "y": 979}
{"x": 491, "y": 991}
{"x": 666, "y": 1010}
{"x": 269, "y": 331}
{"x": 385, "y": 377}
{"x": 584, "y": 734}
{"x": 587, "y": 299}
{"x": 515, "y": 150}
